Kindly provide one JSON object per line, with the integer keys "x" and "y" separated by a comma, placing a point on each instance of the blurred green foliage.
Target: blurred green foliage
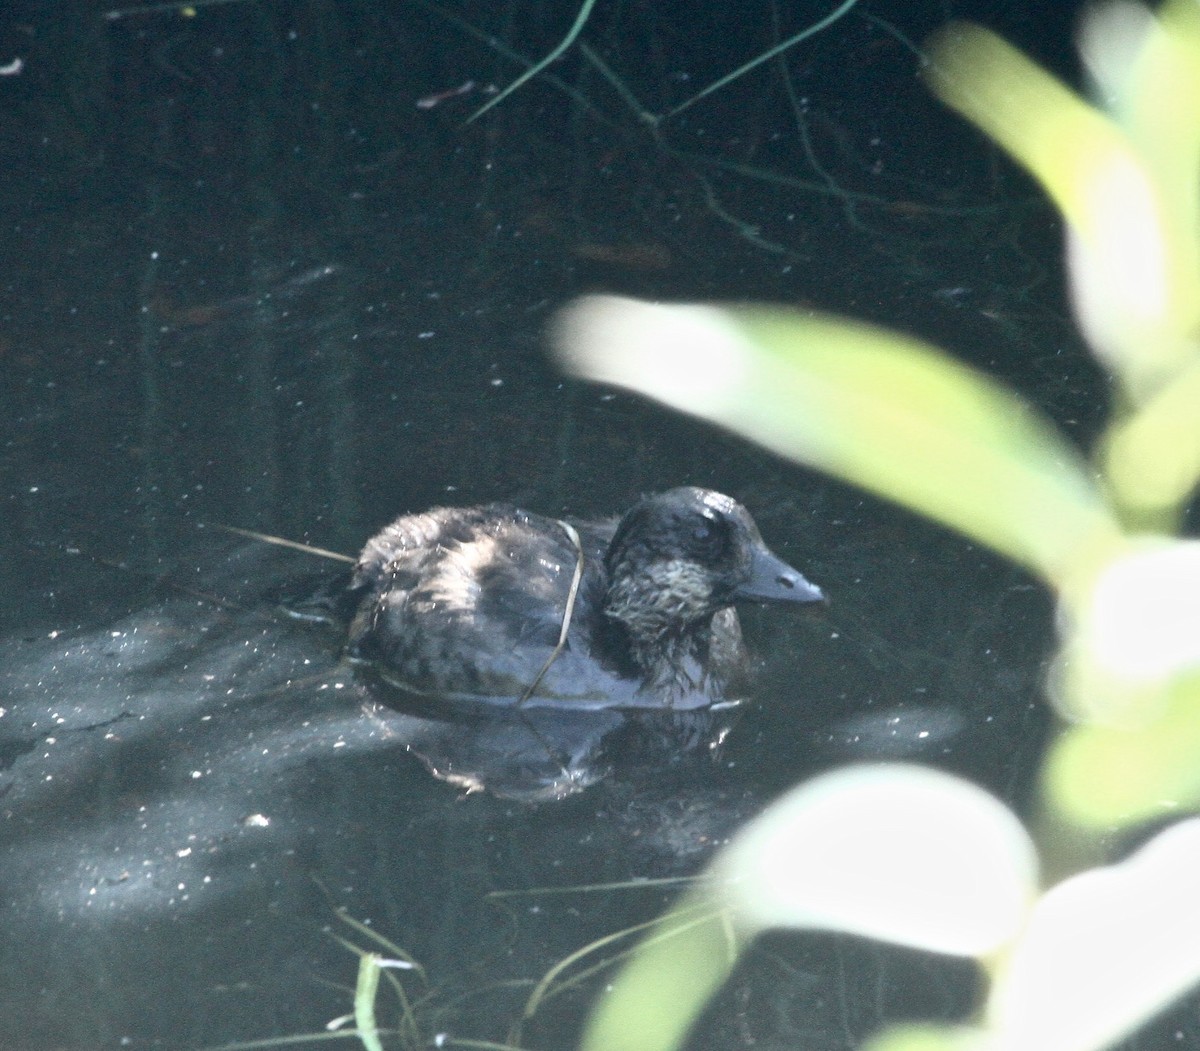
{"x": 1075, "y": 966}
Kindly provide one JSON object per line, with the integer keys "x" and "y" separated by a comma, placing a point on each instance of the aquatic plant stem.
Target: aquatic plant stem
{"x": 580, "y": 20}
{"x": 572, "y": 594}
{"x": 364, "y": 1002}
{"x": 766, "y": 56}
{"x": 495, "y": 44}
{"x": 180, "y": 8}
{"x": 619, "y": 86}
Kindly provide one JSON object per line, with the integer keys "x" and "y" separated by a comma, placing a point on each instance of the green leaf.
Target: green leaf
{"x": 1103, "y": 951}
{"x": 663, "y": 989}
{"x": 894, "y": 852}
{"x": 1152, "y": 457}
{"x": 928, "y": 1037}
{"x": 1126, "y": 184}
{"x": 1100, "y": 776}
{"x": 875, "y": 408}
{"x": 1045, "y": 125}
{"x": 1132, "y": 632}
{"x": 889, "y": 851}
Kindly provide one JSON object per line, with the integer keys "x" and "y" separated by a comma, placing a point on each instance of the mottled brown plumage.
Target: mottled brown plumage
{"x": 466, "y": 604}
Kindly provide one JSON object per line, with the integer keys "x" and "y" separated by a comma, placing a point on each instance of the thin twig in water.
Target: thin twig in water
{"x": 507, "y": 52}
{"x": 747, "y": 230}
{"x": 619, "y": 86}
{"x": 566, "y": 42}
{"x": 572, "y": 594}
{"x": 766, "y": 56}
{"x": 295, "y": 545}
{"x": 591, "y": 888}
{"x": 188, "y": 9}
{"x": 892, "y": 31}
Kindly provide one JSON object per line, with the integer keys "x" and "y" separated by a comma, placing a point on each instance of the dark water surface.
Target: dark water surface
{"x": 251, "y": 283}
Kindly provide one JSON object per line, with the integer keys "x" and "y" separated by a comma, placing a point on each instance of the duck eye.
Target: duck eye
{"x": 708, "y": 536}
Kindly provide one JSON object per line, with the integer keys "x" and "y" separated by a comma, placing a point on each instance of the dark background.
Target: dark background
{"x": 249, "y": 282}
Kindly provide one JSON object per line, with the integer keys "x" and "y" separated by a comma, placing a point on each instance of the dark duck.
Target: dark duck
{"x": 494, "y": 604}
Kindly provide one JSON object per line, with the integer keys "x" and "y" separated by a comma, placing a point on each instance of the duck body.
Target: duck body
{"x": 468, "y": 604}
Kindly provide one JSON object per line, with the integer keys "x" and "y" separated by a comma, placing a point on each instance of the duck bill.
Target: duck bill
{"x": 773, "y": 580}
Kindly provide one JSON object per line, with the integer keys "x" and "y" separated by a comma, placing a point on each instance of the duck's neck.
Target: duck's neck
{"x": 668, "y": 653}
{"x": 675, "y": 662}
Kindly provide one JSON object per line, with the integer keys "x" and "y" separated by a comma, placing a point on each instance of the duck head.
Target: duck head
{"x": 679, "y": 557}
